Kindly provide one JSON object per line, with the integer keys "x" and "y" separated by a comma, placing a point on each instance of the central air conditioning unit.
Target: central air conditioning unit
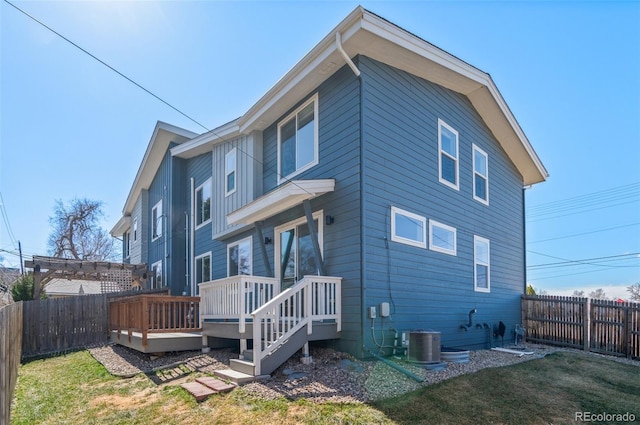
{"x": 423, "y": 347}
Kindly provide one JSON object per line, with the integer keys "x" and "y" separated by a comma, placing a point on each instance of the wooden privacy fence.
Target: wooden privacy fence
{"x": 152, "y": 314}
{"x": 602, "y": 326}
{"x": 62, "y": 324}
{"x": 10, "y": 347}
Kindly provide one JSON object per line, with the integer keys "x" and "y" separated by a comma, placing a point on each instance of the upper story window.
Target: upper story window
{"x": 298, "y": 140}
{"x": 480, "y": 175}
{"x": 230, "y": 172}
{"x": 203, "y": 203}
{"x": 239, "y": 258}
{"x": 448, "y": 155}
{"x": 442, "y": 238}
{"x": 408, "y": 228}
{"x": 135, "y": 230}
{"x": 156, "y": 220}
{"x": 481, "y": 262}
{"x": 156, "y": 275}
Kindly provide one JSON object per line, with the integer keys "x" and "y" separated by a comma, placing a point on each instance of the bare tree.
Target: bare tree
{"x": 598, "y": 294}
{"x": 577, "y": 293}
{"x": 76, "y": 232}
{"x": 634, "y": 290}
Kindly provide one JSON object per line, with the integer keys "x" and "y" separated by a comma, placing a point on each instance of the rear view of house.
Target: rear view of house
{"x": 377, "y": 188}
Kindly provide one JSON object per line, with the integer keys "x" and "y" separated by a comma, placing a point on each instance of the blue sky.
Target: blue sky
{"x": 569, "y": 71}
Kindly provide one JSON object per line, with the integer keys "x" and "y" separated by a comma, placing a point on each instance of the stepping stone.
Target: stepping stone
{"x": 215, "y": 384}
{"x": 199, "y": 391}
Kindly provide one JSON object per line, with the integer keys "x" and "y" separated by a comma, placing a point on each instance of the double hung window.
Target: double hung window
{"x": 448, "y": 155}
{"x": 482, "y": 279}
{"x": 203, "y": 203}
{"x": 298, "y": 140}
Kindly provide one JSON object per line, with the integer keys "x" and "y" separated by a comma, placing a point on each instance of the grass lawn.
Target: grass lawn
{"x": 76, "y": 389}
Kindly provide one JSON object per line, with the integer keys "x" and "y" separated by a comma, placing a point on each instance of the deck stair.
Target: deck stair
{"x": 206, "y": 386}
{"x": 285, "y": 323}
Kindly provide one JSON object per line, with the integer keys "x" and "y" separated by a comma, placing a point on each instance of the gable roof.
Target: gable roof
{"x": 364, "y": 33}
{"x": 163, "y": 135}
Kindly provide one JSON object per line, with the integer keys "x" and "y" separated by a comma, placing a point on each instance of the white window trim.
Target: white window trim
{"x": 441, "y": 152}
{"x": 433, "y": 247}
{"x": 135, "y": 229}
{"x": 475, "y": 172}
{"x": 153, "y": 266}
{"x": 127, "y": 247}
{"x": 475, "y": 263}
{"x": 159, "y": 221}
{"x": 290, "y": 225}
{"x": 394, "y": 237}
{"x": 204, "y": 223}
{"x": 199, "y": 257}
{"x": 231, "y": 245}
{"x": 227, "y": 172}
{"x": 314, "y": 100}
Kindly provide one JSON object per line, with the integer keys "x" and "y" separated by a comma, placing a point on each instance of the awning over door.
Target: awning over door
{"x": 281, "y": 199}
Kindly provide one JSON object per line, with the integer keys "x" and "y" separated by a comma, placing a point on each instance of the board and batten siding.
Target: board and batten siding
{"x": 248, "y": 179}
{"x": 138, "y": 253}
{"x": 428, "y": 289}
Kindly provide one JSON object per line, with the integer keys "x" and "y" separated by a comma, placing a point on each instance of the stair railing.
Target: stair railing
{"x": 312, "y": 298}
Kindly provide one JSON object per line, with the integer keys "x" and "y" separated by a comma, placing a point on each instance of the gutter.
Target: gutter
{"x": 344, "y": 54}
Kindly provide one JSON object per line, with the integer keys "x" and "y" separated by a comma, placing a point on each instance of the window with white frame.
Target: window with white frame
{"x": 156, "y": 275}
{"x": 203, "y": 203}
{"x": 408, "y": 228}
{"x": 480, "y": 175}
{"x": 203, "y": 268}
{"x": 442, "y": 238}
{"x": 126, "y": 241}
{"x": 230, "y": 164}
{"x": 135, "y": 230}
{"x": 448, "y": 155}
{"x": 481, "y": 262}
{"x": 239, "y": 258}
{"x": 156, "y": 220}
{"x": 298, "y": 140}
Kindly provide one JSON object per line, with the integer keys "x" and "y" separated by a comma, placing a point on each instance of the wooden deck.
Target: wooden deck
{"x": 159, "y": 342}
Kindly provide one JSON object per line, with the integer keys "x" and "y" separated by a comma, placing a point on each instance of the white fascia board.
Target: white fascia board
{"x": 281, "y": 199}
{"x": 158, "y": 144}
{"x": 203, "y": 143}
{"x": 121, "y": 226}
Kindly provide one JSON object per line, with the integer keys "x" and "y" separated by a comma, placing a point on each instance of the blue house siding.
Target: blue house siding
{"x": 428, "y": 289}
{"x": 339, "y": 158}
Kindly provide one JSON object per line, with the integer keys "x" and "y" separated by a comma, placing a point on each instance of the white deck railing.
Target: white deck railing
{"x": 236, "y": 297}
{"x": 312, "y": 298}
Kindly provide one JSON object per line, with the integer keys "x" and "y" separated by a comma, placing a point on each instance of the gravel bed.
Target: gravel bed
{"x": 332, "y": 377}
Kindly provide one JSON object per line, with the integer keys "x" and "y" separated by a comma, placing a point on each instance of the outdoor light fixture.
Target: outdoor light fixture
{"x": 267, "y": 240}
{"x": 328, "y": 220}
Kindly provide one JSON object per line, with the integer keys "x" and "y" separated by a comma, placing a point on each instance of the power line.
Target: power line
{"x": 5, "y": 218}
{"x": 585, "y": 261}
{"x": 583, "y": 233}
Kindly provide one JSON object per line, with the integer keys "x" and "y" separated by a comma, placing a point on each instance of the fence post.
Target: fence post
{"x": 627, "y": 331}
{"x": 586, "y": 322}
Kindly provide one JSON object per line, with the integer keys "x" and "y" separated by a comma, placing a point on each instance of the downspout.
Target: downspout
{"x": 524, "y": 239}
{"x": 344, "y": 54}
{"x": 186, "y": 252}
{"x": 192, "y": 234}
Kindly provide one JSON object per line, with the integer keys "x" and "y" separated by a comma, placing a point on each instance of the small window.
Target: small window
{"x": 480, "y": 175}
{"x": 448, "y": 155}
{"x": 203, "y": 204}
{"x": 298, "y": 140}
{"x": 481, "y": 274}
{"x": 408, "y": 228}
{"x": 239, "y": 258}
{"x": 135, "y": 230}
{"x": 156, "y": 221}
{"x": 230, "y": 172}
{"x": 126, "y": 242}
{"x": 203, "y": 268}
{"x": 442, "y": 238}
{"x": 156, "y": 275}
